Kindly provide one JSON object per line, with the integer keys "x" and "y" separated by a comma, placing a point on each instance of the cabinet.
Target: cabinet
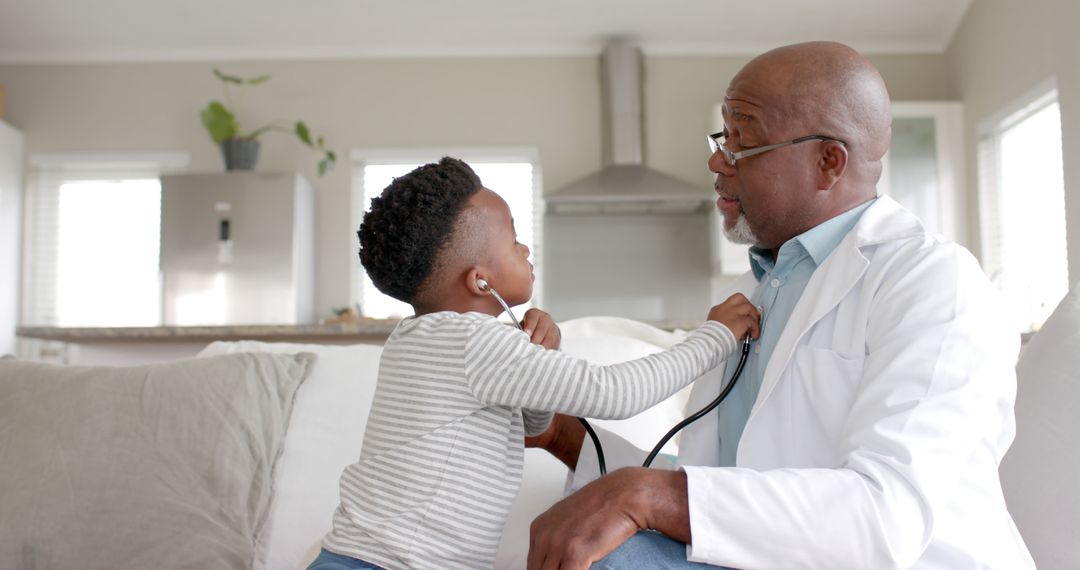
{"x": 11, "y": 161}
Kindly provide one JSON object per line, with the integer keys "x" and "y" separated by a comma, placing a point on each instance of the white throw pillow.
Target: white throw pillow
{"x": 646, "y": 428}
{"x": 1040, "y": 472}
{"x": 324, "y": 437}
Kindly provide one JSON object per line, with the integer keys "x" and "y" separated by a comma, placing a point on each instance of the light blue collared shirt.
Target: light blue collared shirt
{"x": 780, "y": 284}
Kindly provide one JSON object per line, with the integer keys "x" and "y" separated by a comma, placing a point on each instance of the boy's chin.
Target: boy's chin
{"x": 518, "y": 301}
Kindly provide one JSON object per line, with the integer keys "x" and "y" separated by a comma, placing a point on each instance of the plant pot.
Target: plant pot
{"x": 240, "y": 154}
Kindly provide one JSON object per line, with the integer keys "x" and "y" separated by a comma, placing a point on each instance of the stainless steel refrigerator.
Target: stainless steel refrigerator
{"x": 237, "y": 248}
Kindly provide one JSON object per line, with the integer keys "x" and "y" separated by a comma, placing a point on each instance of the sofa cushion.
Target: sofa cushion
{"x": 609, "y": 340}
{"x": 325, "y": 436}
{"x": 167, "y": 465}
{"x": 1040, "y": 472}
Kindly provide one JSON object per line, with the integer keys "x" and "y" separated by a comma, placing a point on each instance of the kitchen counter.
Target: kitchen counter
{"x": 362, "y": 331}
{"x": 146, "y": 345}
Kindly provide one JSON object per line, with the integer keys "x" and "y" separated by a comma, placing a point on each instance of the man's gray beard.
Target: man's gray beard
{"x": 740, "y": 233}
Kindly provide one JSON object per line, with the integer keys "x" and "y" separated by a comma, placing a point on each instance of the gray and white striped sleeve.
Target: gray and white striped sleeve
{"x": 503, "y": 368}
{"x": 536, "y": 421}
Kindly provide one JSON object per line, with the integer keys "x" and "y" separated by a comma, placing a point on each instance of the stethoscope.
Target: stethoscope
{"x": 674, "y": 430}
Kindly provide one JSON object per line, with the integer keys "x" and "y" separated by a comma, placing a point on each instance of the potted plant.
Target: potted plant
{"x": 240, "y": 148}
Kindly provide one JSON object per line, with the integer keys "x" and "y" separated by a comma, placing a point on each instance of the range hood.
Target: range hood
{"x": 625, "y": 185}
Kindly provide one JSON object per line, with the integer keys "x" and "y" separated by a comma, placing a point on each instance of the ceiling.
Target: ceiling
{"x": 153, "y": 30}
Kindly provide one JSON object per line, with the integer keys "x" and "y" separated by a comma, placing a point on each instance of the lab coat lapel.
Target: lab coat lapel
{"x": 826, "y": 288}
{"x": 884, "y": 220}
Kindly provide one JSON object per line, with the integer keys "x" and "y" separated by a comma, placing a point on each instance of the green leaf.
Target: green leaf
{"x": 227, "y": 78}
{"x": 303, "y": 132}
{"x": 219, "y": 122}
{"x": 258, "y": 80}
{"x": 327, "y": 163}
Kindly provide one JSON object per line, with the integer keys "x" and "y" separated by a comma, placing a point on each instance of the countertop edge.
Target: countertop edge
{"x": 364, "y": 331}
{"x": 361, "y": 331}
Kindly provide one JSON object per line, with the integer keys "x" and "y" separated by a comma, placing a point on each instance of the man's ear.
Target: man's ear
{"x": 472, "y": 280}
{"x": 831, "y": 164}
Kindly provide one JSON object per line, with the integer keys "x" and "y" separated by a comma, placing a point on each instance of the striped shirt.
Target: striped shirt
{"x": 443, "y": 452}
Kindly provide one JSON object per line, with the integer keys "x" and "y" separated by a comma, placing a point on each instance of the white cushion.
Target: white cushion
{"x": 609, "y": 340}
{"x": 1040, "y": 475}
{"x": 325, "y": 436}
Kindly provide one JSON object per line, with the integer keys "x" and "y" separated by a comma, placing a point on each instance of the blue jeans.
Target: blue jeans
{"x": 651, "y": 550}
{"x": 330, "y": 561}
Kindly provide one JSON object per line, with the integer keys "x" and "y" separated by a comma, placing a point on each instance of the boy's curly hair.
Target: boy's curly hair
{"x": 411, "y": 222}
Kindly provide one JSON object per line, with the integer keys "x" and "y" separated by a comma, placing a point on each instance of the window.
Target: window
{"x": 93, "y": 226}
{"x": 514, "y": 175}
{"x": 1022, "y": 209}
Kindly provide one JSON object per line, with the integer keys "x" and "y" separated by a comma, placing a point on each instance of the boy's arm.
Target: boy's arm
{"x": 503, "y": 368}
{"x": 536, "y": 421}
{"x": 542, "y": 331}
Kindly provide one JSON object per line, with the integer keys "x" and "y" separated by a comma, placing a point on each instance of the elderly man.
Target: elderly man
{"x": 874, "y": 409}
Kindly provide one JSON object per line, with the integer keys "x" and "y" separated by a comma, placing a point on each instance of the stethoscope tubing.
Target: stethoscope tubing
{"x": 674, "y": 430}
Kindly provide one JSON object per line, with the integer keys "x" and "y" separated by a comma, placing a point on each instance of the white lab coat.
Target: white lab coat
{"x": 884, "y": 412}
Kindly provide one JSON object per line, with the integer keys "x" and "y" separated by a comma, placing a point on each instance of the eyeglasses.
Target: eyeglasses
{"x": 717, "y": 140}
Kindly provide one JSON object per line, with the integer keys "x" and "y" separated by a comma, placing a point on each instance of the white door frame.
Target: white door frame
{"x": 948, "y": 119}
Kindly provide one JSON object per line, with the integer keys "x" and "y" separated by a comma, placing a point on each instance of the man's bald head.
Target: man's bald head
{"x": 830, "y": 89}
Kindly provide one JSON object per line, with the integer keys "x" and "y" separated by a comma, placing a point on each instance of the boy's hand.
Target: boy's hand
{"x": 739, "y": 315}
{"x": 541, "y": 329}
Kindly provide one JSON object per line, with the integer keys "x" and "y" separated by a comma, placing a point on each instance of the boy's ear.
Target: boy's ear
{"x": 472, "y": 280}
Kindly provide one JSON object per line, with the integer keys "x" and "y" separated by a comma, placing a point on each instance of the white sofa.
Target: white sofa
{"x": 318, "y": 409}
{"x": 311, "y": 425}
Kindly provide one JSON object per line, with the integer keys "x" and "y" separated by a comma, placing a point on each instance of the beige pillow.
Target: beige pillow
{"x": 162, "y": 466}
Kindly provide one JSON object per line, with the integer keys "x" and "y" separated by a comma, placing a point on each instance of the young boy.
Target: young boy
{"x": 458, "y": 390}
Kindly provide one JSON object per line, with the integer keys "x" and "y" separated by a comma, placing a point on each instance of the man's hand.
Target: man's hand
{"x": 587, "y": 525}
{"x": 542, "y": 329}
{"x": 562, "y": 439}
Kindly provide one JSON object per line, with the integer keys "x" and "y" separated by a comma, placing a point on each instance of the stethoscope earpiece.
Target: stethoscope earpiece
{"x": 483, "y": 284}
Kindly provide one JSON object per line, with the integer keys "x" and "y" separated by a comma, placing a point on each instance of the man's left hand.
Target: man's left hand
{"x": 587, "y": 525}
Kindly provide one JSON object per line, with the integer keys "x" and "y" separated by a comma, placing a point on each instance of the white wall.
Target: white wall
{"x": 1002, "y": 50}
{"x": 10, "y": 218}
{"x": 549, "y": 103}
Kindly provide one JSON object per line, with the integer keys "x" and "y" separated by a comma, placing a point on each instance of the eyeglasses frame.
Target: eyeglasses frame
{"x": 732, "y": 157}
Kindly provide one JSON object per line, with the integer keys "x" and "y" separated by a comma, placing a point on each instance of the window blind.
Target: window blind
{"x": 1022, "y": 210}
{"x": 91, "y": 237}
